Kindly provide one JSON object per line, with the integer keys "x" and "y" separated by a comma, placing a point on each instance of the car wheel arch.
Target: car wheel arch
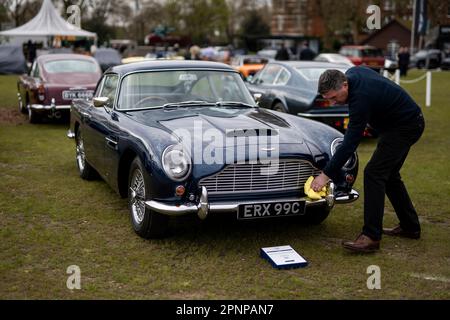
{"x": 125, "y": 163}
{"x": 278, "y": 101}
{"x": 76, "y": 127}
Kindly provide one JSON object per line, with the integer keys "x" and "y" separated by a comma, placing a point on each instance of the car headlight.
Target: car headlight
{"x": 352, "y": 162}
{"x": 176, "y": 162}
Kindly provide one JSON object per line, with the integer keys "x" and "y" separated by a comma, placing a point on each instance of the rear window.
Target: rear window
{"x": 311, "y": 77}
{"x": 70, "y": 66}
{"x": 372, "y": 53}
{"x": 313, "y": 74}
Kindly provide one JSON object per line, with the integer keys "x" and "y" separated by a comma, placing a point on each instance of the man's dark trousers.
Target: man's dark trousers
{"x": 382, "y": 176}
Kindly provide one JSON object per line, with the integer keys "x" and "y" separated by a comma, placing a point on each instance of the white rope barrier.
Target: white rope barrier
{"x": 396, "y": 78}
{"x": 414, "y": 80}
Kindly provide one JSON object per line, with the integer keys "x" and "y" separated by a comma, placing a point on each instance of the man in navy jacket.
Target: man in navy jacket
{"x": 376, "y": 101}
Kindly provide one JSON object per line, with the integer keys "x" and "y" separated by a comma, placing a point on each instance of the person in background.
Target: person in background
{"x": 282, "y": 53}
{"x": 403, "y": 61}
{"x": 306, "y": 54}
{"x": 31, "y": 51}
{"x": 194, "y": 53}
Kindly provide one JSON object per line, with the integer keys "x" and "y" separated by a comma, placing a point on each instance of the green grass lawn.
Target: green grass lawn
{"x": 51, "y": 219}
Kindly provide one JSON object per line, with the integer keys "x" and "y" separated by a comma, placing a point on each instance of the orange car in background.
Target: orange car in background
{"x": 248, "y": 65}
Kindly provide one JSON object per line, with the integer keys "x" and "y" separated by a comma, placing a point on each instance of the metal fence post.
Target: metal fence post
{"x": 428, "y": 99}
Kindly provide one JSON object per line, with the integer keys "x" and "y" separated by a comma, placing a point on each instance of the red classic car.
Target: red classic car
{"x": 364, "y": 56}
{"x": 53, "y": 82}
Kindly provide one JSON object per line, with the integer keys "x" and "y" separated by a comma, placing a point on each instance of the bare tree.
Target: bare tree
{"x": 17, "y": 10}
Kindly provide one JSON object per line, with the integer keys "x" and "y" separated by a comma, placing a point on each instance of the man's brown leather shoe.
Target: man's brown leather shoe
{"x": 362, "y": 244}
{"x": 399, "y": 232}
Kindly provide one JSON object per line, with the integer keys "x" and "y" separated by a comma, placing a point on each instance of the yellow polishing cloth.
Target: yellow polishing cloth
{"x": 311, "y": 193}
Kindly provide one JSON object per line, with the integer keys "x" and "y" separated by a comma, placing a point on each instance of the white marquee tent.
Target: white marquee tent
{"x": 44, "y": 26}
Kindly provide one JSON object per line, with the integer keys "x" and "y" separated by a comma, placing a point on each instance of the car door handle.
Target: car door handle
{"x": 112, "y": 143}
{"x": 86, "y": 115}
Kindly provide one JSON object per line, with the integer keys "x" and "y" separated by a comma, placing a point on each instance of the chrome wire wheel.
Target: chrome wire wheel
{"x": 81, "y": 156}
{"x": 137, "y": 196}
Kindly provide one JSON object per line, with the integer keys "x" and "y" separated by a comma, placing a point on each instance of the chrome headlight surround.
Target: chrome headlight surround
{"x": 352, "y": 162}
{"x": 176, "y": 163}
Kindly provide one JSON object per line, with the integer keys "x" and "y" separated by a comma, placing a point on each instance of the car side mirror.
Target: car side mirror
{"x": 100, "y": 102}
{"x": 257, "y": 97}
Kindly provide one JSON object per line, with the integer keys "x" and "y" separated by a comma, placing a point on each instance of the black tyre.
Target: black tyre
{"x": 316, "y": 215}
{"x": 33, "y": 116}
{"x": 86, "y": 171}
{"x": 146, "y": 223}
{"x": 279, "y": 107}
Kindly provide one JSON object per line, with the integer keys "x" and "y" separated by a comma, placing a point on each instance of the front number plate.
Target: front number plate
{"x": 268, "y": 210}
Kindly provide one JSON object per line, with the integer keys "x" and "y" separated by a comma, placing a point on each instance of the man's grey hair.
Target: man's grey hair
{"x": 331, "y": 80}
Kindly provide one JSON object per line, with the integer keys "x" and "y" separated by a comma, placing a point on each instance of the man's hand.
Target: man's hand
{"x": 319, "y": 182}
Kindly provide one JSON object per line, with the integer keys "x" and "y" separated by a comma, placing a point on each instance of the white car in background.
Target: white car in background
{"x": 334, "y": 58}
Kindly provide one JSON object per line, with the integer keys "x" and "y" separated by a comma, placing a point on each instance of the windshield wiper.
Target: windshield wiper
{"x": 187, "y": 103}
{"x": 234, "y": 104}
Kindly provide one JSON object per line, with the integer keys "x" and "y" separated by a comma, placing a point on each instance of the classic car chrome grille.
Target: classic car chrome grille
{"x": 250, "y": 178}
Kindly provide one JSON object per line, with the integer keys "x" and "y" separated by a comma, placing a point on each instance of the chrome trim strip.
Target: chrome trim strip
{"x": 325, "y": 115}
{"x": 111, "y": 141}
{"x": 41, "y": 107}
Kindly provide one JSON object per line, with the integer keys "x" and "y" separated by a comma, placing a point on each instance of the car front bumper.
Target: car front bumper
{"x": 204, "y": 207}
{"x": 40, "y": 107}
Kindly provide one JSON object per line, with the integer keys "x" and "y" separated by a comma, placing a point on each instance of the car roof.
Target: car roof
{"x": 331, "y": 55}
{"x": 359, "y": 47}
{"x": 63, "y": 56}
{"x": 168, "y": 64}
{"x": 246, "y": 56}
{"x": 310, "y": 64}
{"x": 105, "y": 49}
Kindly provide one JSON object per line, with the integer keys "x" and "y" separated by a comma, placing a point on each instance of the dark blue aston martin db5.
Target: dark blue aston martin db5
{"x": 179, "y": 138}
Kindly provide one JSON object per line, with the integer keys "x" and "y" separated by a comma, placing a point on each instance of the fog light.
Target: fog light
{"x": 180, "y": 190}
{"x": 350, "y": 178}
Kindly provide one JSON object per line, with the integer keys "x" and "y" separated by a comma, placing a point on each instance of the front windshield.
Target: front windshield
{"x": 155, "y": 89}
